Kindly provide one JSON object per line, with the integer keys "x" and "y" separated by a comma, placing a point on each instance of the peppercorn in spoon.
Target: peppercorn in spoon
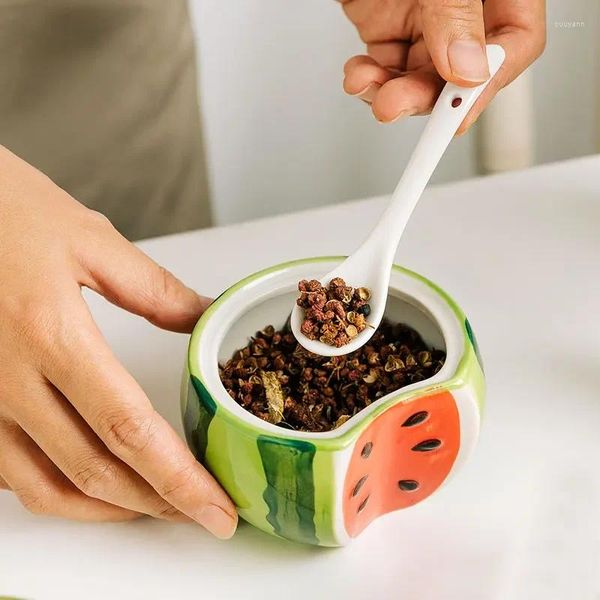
{"x": 370, "y": 266}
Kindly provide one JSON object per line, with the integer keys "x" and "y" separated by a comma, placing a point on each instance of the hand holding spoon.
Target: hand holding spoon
{"x": 370, "y": 266}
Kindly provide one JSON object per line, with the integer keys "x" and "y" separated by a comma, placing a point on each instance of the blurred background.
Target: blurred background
{"x": 282, "y": 136}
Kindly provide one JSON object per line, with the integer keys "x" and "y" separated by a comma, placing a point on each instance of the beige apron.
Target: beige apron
{"x": 101, "y": 96}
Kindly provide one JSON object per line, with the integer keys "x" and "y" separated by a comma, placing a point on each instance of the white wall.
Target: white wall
{"x": 567, "y": 82}
{"x": 281, "y": 135}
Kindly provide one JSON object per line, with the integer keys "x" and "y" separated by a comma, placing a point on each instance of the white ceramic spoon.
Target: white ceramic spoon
{"x": 371, "y": 264}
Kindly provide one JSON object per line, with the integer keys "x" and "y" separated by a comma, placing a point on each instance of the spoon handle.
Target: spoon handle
{"x": 448, "y": 113}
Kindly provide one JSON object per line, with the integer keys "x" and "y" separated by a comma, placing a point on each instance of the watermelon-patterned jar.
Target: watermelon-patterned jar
{"x": 325, "y": 488}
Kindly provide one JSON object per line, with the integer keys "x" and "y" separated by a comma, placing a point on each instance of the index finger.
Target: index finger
{"x": 120, "y": 413}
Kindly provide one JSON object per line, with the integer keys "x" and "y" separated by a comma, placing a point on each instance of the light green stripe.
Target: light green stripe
{"x": 234, "y": 459}
{"x": 325, "y": 498}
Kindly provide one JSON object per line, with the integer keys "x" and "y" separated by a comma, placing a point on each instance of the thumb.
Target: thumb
{"x": 127, "y": 277}
{"x": 455, "y": 37}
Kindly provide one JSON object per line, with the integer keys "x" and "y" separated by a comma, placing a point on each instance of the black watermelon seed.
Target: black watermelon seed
{"x": 362, "y": 505}
{"x": 408, "y": 485}
{"x": 427, "y": 446}
{"x": 366, "y": 451}
{"x": 415, "y": 419}
{"x": 358, "y": 485}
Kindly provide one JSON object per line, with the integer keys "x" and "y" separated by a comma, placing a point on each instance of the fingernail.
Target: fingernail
{"x": 217, "y": 521}
{"x": 368, "y": 93}
{"x": 400, "y": 115}
{"x": 468, "y": 60}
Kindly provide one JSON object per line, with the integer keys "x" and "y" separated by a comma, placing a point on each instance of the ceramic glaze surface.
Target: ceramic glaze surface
{"x": 402, "y": 457}
{"x": 325, "y": 488}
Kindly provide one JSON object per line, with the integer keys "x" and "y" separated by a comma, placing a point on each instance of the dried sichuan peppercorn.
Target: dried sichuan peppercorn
{"x": 279, "y": 381}
{"x": 334, "y": 314}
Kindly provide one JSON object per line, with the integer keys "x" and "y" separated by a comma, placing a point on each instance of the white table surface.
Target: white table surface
{"x": 521, "y": 253}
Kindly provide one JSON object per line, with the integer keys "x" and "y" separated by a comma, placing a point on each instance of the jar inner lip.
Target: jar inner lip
{"x": 267, "y": 299}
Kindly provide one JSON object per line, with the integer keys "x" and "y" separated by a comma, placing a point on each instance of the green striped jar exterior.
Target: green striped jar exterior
{"x": 288, "y": 484}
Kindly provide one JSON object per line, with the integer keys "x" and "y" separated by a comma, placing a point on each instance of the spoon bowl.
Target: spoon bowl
{"x": 374, "y": 276}
{"x": 370, "y": 265}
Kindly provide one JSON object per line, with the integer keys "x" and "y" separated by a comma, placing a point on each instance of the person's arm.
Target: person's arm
{"x": 78, "y": 436}
{"x": 414, "y": 46}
